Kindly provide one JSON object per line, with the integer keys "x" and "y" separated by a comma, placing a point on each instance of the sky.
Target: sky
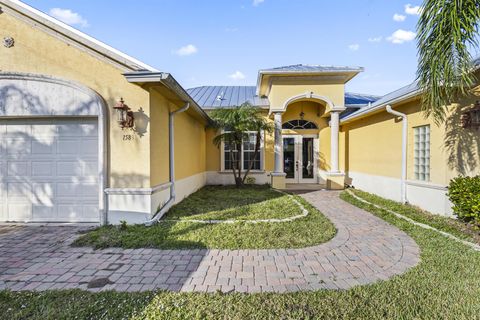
{"x": 226, "y": 42}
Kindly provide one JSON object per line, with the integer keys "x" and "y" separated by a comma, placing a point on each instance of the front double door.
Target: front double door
{"x": 300, "y": 158}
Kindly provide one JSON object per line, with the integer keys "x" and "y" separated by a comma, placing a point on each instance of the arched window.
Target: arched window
{"x": 299, "y": 124}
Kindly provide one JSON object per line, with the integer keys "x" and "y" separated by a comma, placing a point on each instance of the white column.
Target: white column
{"x": 334, "y": 131}
{"x": 278, "y": 143}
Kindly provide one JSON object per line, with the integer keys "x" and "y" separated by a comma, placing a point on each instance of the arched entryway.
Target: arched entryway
{"x": 297, "y": 127}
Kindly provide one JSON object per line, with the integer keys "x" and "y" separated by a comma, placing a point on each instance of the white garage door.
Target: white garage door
{"x": 49, "y": 170}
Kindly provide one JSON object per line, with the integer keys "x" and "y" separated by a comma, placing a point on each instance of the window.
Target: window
{"x": 299, "y": 125}
{"x": 247, "y": 153}
{"x": 422, "y": 153}
{"x": 230, "y": 158}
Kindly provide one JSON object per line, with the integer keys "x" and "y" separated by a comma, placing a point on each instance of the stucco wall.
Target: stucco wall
{"x": 38, "y": 52}
{"x": 373, "y": 145}
{"x": 283, "y": 90}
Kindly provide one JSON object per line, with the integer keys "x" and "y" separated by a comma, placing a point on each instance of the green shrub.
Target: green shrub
{"x": 250, "y": 180}
{"x": 464, "y": 192}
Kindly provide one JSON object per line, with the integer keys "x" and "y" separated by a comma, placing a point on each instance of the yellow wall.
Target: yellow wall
{"x": 159, "y": 154}
{"x": 212, "y": 152}
{"x": 282, "y": 91}
{"x": 190, "y": 146}
{"x": 373, "y": 145}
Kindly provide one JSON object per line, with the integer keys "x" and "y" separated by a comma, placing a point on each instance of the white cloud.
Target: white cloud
{"x": 186, "y": 50}
{"x": 413, "y": 10}
{"x": 399, "y": 17}
{"x": 69, "y": 17}
{"x": 400, "y": 36}
{"x": 354, "y": 47}
{"x": 237, "y": 75}
{"x": 375, "y": 39}
{"x": 257, "y": 2}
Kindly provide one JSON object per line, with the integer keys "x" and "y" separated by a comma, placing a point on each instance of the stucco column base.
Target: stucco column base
{"x": 335, "y": 181}
{"x": 278, "y": 180}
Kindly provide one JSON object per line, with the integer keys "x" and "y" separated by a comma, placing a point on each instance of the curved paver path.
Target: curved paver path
{"x": 366, "y": 249}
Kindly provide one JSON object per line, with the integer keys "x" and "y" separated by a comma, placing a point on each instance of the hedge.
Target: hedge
{"x": 464, "y": 193}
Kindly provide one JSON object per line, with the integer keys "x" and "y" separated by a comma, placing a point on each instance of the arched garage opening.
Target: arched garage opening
{"x": 52, "y": 150}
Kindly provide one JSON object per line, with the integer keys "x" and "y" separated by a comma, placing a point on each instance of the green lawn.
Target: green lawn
{"x": 251, "y": 202}
{"x": 455, "y": 227}
{"x": 231, "y": 203}
{"x": 445, "y": 285}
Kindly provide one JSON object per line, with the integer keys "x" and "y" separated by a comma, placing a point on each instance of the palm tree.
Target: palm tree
{"x": 236, "y": 124}
{"x": 447, "y": 32}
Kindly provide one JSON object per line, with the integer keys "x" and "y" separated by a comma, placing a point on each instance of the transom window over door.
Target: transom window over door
{"x": 422, "y": 153}
{"x": 246, "y": 154}
{"x": 299, "y": 125}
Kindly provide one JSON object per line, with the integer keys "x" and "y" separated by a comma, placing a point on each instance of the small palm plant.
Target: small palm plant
{"x": 235, "y": 125}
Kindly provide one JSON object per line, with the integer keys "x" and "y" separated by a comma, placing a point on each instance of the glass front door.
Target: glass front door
{"x": 299, "y": 159}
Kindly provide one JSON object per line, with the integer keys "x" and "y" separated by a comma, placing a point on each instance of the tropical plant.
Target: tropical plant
{"x": 446, "y": 33}
{"x": 235, "y": 125}
{"x": 464, "y": 193}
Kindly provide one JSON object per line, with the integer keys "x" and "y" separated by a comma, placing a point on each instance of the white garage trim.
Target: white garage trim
{"x": 37, "y": 96}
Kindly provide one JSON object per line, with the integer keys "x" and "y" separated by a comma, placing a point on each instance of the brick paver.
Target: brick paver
{"x": 366, "y": 249}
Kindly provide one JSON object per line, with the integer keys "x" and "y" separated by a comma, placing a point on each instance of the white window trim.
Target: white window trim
{"x": 262, "y": 154}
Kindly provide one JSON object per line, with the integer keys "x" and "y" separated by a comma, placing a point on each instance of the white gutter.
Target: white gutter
{"x": 404, "y": 151}
{"x": 171, "y": 160}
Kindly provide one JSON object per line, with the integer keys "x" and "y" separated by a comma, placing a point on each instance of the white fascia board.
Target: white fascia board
{"x": 76, "y": 35}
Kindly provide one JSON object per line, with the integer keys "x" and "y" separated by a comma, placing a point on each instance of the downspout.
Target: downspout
{"x": 404, "y": 151}
{"x": 171, "y": 163}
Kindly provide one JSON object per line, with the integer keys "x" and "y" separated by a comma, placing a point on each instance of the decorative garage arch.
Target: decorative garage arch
{"x": 30, "y": 96}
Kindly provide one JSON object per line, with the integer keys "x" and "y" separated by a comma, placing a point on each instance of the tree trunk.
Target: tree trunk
{"x": 238, "y": 180}
{"x": 255, "y": 153}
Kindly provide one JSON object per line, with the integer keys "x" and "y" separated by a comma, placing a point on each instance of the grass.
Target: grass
{"x": 445, "y": 285}
{"x": 231, "y": 203}
{"x": 308, "y": 231}
{"x": 453, "y": 226}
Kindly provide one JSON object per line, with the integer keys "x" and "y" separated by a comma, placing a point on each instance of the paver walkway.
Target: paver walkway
{"x": 366, "y": 249}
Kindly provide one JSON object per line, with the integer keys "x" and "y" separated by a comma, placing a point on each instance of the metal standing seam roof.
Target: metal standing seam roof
{"x": 391, "y": 97}
{"x": 311, "y": 68}
{"x": 212, "y": 97}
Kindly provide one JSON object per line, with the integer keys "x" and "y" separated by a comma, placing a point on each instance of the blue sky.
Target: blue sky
{"x": 212, "y": 42}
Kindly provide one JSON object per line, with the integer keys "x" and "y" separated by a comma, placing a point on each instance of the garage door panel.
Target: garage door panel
{"x": 43, "y": 193}
{"x": 42, "y": 169}
{"x": 89, "y": 190}
{"x": 69, "y": 168}
{"x": 44, "y": 146}
{"x": 19, "y": 212}
{"x": 44, "y": 213}
{"x": 89, "y": 147}
{"x": 17, "y": 168}
{"x": 68, "y": 146}
{"x": 49, "y": 170}
{"x": 16, "y": 129}
{"x": 18, "y": 191}
{"x": 18, "y": 146}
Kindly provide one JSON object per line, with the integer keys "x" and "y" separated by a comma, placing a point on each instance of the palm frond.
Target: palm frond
{"x": 447, "y": 31}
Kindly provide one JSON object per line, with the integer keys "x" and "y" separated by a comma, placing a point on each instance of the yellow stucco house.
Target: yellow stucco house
{"x": 68, "y": 154}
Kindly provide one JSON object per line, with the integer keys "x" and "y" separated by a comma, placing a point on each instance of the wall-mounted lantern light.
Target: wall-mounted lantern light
{"x": 471, "y": 118}
{"x": 124, "y": 115}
